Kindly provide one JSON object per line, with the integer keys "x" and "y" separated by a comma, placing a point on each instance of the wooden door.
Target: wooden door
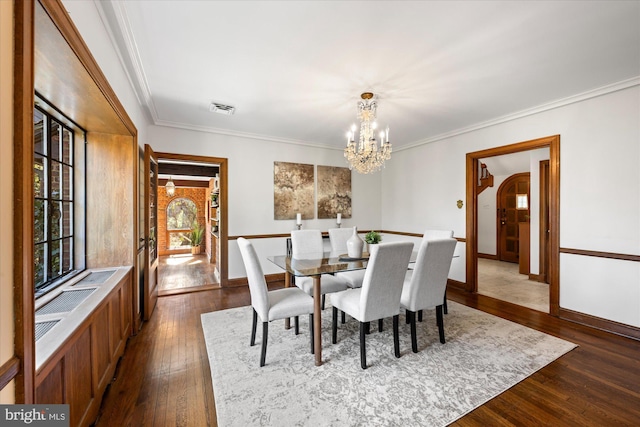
{"x": 510, "y": 215}
{"x": 150, "y": 232}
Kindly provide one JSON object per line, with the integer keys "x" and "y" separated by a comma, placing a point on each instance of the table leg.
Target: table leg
{"x": 317, "y": 320}
{"x": 287, "y": 282}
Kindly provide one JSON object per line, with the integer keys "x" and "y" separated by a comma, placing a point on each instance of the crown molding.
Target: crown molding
{"x": 116, "y": 17}
{"x": 614, "y": 87}
{"x": 228, "y": 132}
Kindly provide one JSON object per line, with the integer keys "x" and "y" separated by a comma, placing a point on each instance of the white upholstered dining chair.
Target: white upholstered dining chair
{"x": 425, "y": 285}
{"x": 379, "y": 296}
{"x": 431, "y": 234}
{"x": 307, "y": 244}
{"x": 338, "y": 238}
{"x": 272, "y": 305}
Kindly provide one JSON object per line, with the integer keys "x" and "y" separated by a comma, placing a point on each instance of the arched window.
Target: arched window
{"x": 181, "y": 216}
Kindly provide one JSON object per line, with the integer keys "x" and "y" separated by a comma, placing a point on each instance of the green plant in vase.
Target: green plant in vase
{"x": 372, "y": 237}
{"x": 195, "y": 236}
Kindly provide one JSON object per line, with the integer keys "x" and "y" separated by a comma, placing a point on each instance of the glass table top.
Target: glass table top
{"x": 323, "y": 263}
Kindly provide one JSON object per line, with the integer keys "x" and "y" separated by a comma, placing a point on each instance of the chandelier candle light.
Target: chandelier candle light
{"x": 365, "y": 157}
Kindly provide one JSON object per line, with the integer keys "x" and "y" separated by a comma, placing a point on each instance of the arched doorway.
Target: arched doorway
{"x": 513, "y": 209}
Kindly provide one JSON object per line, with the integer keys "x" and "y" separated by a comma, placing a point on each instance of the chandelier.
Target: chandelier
{"x": 365, "y": 157}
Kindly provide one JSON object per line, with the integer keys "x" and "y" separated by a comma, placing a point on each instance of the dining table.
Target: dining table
{"x": 314, "y": 265}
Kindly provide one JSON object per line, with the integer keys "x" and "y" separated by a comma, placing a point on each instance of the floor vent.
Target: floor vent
{"x": 96, "y": 278}
{"x": 65, "y": 302}
{"x": 44, "y": 327}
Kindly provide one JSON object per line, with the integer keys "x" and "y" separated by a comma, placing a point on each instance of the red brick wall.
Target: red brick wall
{"x": 198, "y": 195}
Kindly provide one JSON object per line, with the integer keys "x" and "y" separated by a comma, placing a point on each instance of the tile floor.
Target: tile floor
{"x": 501, "y": 280}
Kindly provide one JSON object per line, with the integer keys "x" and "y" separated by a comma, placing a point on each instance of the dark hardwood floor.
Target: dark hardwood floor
{"x": 164, "y": 377}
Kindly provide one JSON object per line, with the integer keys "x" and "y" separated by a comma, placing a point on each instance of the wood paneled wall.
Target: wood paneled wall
{"x": 110, "y": 200}
{"x": 82, "y": 368}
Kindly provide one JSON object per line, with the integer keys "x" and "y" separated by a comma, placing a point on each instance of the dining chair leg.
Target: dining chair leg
{"x": 406, "y": 317}
{"x": 324, "y": 297}
{"x": 440, "y": 322}
{"x": 334, "y": 325}
{"x": 414, "y": 339}
{"x": 343, "y": 316}
{"x": 419, "y": 315}
{"x": 296, "y": 325}
{"x": 363, "y": 349}
{"x": 380, "y": 324}
{"x": 367, "y": 327}
{"x": 265, "y": 334}
{"x": 444, "y": 303}
{"x": 311, "y": 331}
{"x": 253, "y": 327}
{"x": 396, "y": 336}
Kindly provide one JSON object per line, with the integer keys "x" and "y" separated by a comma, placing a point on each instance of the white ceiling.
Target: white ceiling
{"x": 295, "y": 70}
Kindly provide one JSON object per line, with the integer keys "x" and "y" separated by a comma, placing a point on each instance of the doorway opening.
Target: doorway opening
{"x": 188, "y": 263}
{"x": 483, "y": 238}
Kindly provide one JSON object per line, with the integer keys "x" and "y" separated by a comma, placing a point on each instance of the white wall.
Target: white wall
{"x": 599, "y": 193}
{"x": 599, "y": 180}
{"x": 6, "y": 192}
{"x": 250, "y": 186}
{"x": 534, "y": 209}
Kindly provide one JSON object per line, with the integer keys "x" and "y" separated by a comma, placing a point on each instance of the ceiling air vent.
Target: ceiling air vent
{"x": 221, "y": 108}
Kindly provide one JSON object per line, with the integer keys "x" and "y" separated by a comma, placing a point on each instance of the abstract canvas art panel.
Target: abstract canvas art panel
{"x": 293, "y": 190}
{"x": 334, "y": 192}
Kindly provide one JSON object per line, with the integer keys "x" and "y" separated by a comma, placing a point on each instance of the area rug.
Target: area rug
{"x": 484, "y": 355}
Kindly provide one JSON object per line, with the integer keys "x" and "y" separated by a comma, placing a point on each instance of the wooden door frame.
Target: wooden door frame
{"x": 472, "y": 159}
{"x": 544, "y": 221}
{"x": 223, "y": 228}
{"x": 498, "y": 194}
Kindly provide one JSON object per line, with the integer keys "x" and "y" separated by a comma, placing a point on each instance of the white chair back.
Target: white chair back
{"x": 429, "y": 278}
{"x": 383, "y": 280}
{"x": 255, "y": 276}
{"x": 306, "y": 243}
{"x": 432, "y": 234}
{"x": 339, "y": 237}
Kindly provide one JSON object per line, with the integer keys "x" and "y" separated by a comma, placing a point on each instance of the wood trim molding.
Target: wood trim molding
{"x": 601, "y": 324}
{"x": 455, "y": 284}
{"x": 487, "y": 256}
{"x": 24, "y": 341}
{"x": 599, "y": 254}
{"x": 60, "y": 17}
{"x": 8, "y": 371}
{"x": 260, "y": 236}
{"x": 243, "y": 281}
{"x": 280, "y": 235}
{"x": 537, "y": 278}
